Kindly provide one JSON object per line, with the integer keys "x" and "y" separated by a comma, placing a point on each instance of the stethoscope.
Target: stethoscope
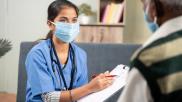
{"x": 59, "y": 69}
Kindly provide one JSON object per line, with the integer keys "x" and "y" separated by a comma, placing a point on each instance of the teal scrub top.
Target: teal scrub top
{"x": 40, "y": 76}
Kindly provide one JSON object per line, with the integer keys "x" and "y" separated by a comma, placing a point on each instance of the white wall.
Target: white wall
{"x": 136, "y": 30}
{"x": 2, "y": 29}
{"x": 21, "y": 20}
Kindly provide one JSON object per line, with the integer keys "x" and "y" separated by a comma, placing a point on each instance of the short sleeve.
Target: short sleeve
{"x": 83, "y": 79}
{"x": 38, "y": 75}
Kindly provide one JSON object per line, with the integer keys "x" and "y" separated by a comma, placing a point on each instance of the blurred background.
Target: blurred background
{"x": 26, "y": 20}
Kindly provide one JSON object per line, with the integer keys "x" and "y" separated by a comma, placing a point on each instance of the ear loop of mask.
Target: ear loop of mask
{"x": 147, "y": 11}
{"x": 51, "y": 22}
{"x": 159, "y": 8}
{"x": 157, "y": 13}
{"x": 155, "y": 19}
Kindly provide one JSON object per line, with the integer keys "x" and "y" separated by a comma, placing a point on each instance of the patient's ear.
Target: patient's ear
{"x": 153, "y": 11}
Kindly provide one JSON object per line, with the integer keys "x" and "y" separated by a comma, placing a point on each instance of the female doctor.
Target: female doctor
{"x": 56, "y": 67}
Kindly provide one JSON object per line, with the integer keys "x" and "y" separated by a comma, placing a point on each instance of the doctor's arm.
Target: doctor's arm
{"x": 96, "y": 84}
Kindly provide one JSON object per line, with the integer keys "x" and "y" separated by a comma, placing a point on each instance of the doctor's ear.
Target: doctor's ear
{"x": 51, "y": 26}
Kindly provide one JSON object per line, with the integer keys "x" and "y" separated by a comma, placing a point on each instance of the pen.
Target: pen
{"x": 111, "y": 75}
{"x": 105, "y": 76}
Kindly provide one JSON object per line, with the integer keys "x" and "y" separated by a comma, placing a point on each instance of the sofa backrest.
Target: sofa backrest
{"x": 100, "y": 58}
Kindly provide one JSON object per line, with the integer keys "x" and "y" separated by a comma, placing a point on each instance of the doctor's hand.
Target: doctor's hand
{"x": 100, "y": 82}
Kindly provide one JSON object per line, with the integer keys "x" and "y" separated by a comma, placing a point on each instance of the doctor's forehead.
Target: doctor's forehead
{"x": 68, "y": 11}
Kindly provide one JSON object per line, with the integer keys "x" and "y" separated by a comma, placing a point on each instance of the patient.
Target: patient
{"x": 157, "y": 66}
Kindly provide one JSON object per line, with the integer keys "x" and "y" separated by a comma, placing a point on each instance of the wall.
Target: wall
{"x": 2, "y": 29}
{"x": 25, "y": 20}
{"x": 21, "y": 20}
{"x": 92, "y": 3}
{"x": 136, "y": 30}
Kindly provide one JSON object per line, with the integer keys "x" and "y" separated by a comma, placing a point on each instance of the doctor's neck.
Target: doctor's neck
{"x": 61, "y": 47}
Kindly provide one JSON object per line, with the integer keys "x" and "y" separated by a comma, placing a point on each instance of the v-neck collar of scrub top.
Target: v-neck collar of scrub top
{"x": 54, "y": 57}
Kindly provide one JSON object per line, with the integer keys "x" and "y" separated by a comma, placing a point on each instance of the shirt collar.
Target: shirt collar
{"x": 53, "y": 55}
{"x": 166, "y": 29}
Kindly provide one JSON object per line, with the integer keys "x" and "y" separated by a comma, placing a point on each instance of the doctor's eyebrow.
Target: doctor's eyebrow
{"x": 67, "y": 19}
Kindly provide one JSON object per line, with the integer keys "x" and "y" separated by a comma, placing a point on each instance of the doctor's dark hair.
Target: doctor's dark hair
{"x": 55, "y": 7}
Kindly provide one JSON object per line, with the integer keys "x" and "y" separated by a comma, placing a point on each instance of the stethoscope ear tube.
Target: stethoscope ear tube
{"x": 73, "y": 68}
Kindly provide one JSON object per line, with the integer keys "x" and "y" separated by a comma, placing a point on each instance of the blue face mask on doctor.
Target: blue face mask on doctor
{"x": 66, "y": 32}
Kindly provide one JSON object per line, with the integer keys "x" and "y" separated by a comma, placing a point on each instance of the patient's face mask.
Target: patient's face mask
{"x": 66, "y": 32}
{"x": 153, "y": 26}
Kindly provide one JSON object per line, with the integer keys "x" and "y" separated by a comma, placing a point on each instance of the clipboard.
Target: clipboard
{"x": 119, "y": 82}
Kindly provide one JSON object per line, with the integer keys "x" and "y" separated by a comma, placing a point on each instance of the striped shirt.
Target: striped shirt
{"x": 157, "y": 67}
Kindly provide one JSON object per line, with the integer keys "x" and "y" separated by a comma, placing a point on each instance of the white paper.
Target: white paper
{"x": 119, "y": 82}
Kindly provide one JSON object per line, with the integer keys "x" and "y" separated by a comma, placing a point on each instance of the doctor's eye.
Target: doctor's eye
{"x": 74, "y": 20}
{"x": 63, "y": 20}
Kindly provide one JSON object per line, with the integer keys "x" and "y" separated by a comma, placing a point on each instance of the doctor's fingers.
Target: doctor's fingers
{"x": 103, "y": 78}
{"x": 104, "y": 83}
{"x": 106, "y": 77}
{"x": 106, "y": 73}
{"x": 101, "y": 75}
{"x": 109, "y": 80}
{"x": 109, "y": 77}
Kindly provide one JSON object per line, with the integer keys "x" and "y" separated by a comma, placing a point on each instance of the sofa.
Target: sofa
{"x": 100, "y": 57}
